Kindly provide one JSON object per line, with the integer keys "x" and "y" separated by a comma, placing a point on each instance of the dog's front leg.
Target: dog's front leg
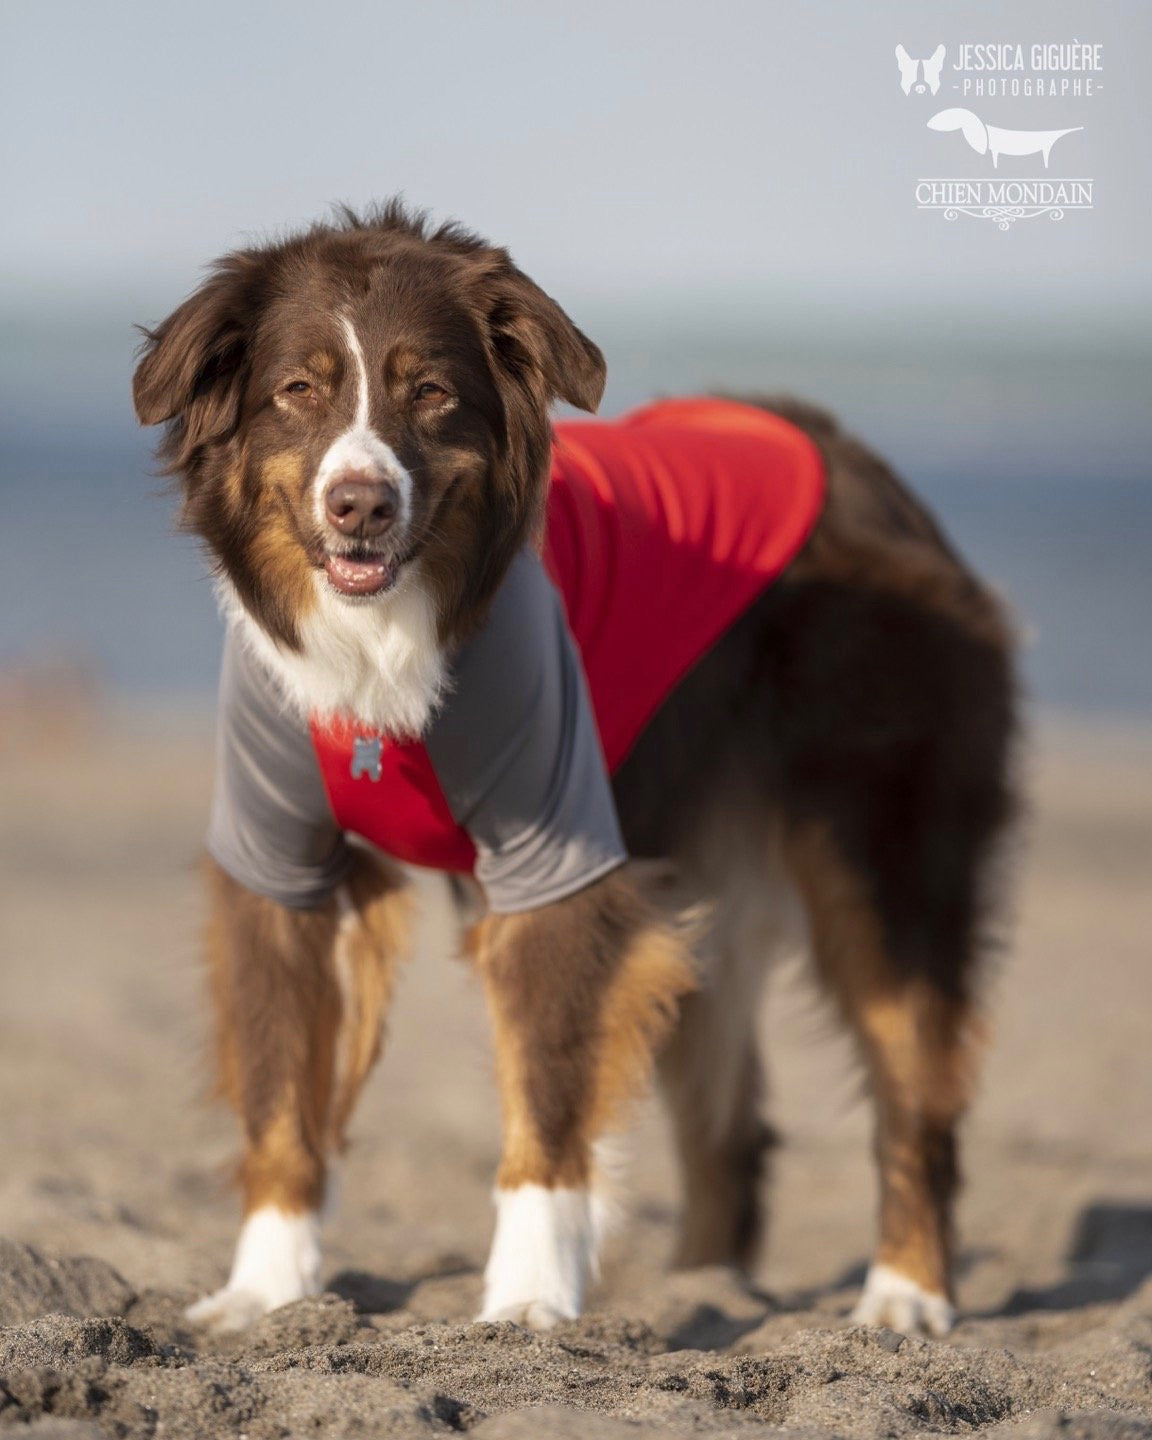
{"x": 299, "y": 997}
{"x": 580, "y": 993}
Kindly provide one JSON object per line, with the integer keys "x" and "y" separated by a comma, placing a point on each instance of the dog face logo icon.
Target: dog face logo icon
{"x": 992, "y": 138}
{"x": 366, "y": 757}
{"x": 929, "y": 69}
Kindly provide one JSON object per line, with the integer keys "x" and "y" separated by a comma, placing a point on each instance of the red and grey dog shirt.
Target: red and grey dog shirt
{"x": 662, "y": 528}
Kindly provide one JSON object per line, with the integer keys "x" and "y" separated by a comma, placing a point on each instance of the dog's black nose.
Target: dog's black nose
{"x": 358, "y": 506}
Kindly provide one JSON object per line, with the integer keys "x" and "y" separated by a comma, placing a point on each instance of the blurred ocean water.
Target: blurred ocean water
{"x": 1039, "y": 471}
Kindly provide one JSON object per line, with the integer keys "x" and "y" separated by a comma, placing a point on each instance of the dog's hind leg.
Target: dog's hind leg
{"x": 913, "y": 1023}
{"x": 299, "y": 997}
{"x": 711, "y": 1075}
{"x": 711, "y": 1070}
{"x": 580, "y": 992}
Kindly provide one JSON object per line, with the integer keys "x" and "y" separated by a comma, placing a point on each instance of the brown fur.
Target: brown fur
{"x": 571, "y": 1054}
{"x": 278, "y": 1014}
{"x": 275, "y": 548}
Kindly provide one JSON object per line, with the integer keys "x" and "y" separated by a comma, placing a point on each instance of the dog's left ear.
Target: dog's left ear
{"x": 532, "y": 336}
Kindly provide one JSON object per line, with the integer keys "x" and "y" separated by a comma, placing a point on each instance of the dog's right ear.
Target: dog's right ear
{"x": 192, "y": 366}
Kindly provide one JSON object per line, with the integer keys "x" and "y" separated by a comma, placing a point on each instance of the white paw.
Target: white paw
{"x": 277, "y": 1261}
{"x": 533, "y": 1316}
{"x": 543, "y": 1254}
{"x": 227, "y": 1310}
{"x": 892, "y": 1299}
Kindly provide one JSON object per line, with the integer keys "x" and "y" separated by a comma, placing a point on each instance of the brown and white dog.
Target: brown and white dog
{"x": 835, "y": 771}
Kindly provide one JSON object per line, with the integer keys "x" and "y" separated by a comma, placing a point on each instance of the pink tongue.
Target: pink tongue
{"x": 356, "y": 577}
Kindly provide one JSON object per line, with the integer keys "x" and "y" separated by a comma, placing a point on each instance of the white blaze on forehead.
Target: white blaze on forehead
{"x": 359, "y": 448}
{"x": 361, "y": 421}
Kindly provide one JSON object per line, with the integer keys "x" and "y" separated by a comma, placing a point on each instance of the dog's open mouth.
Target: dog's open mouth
{"x": 364, "y": 574}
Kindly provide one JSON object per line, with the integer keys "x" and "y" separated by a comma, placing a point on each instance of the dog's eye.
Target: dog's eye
{"x": 429, "y": 394}
{"x": 298, "y": 387}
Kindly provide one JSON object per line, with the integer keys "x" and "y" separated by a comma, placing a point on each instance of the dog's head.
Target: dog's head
{"x": 359, "y": 403}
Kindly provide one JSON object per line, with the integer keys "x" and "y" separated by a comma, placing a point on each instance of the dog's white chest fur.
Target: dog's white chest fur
{"x": 380, "y": 663}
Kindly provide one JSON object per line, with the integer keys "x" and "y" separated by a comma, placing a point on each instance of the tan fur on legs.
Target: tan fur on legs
{"x": 916, "y": 1043}
{"x": 373, "y": 935}
{"x": 581, "y": 993}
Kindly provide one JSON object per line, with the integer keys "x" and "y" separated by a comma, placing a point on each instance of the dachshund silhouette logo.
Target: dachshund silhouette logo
{"x": 366, "y": 756}
{"x": 985, "y": 139}
{"x": 920, "y": 74}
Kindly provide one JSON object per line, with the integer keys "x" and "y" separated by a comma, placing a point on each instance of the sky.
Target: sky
{"x": 722, "y": 193}
{"x": 732, "y": 156}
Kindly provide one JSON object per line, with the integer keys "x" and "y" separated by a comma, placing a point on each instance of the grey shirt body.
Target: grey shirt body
{"x": 514, "y": 746}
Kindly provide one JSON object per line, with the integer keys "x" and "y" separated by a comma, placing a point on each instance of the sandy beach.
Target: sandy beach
{"x": 110, "y": 1150}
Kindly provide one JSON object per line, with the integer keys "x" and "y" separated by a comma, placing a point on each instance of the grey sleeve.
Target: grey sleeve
{"x": 271, "y": 826}
{"x": 517, "y": 752}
